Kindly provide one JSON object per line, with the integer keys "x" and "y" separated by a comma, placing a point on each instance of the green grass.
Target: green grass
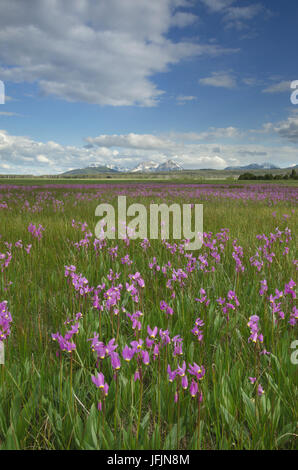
{"x": 221, "y": 177}
{"x": 50, "y": 402}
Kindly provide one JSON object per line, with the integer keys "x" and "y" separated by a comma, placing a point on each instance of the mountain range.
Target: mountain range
{"x": 89, "y": 171}
{"x": 254, "y": 166}
{"x": 165, "y": 167}
{"x": 153, "y": 167}
{"x": 143, "y": 167}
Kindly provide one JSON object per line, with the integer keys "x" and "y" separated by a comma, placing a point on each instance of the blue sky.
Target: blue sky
{"x": 203, "y": 82}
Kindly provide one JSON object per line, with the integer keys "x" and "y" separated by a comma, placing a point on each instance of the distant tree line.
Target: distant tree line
{"x": 269, "y": 176}
{"x": 16, "y": 176}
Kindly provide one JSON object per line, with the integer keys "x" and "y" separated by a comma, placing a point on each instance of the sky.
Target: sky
{"x": 206, "y": 83}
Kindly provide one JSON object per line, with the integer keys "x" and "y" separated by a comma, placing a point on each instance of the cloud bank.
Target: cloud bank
{"x": 101, "y": 52}
{"x": 214, "y": 148}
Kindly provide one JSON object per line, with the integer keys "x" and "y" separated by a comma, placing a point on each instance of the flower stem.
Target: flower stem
{"x": 116, "y": 400}
{"x": 140, "y": 406}
{"x": 199, "y": 420}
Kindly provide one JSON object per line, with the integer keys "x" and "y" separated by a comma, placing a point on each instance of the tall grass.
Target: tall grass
{"x": 47, "y": 397}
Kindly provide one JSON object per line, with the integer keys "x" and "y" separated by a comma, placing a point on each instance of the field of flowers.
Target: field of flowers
{"x": 139, "y": 344}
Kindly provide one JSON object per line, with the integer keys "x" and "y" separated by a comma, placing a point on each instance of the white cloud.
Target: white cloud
{"x": 250, "y": 81}
{"x": 279, "y": 87}
{"x": 103, "y": 52}
{"x": 8, "y": 113}
{"x": 213, "y": 148}
{"x": 217, "y": 5}
{"x": 5, "y": 166}
{"x": 182, "y": 19}
{"x": 213, "y": 133}
{"x": 135, "y": 141}
{"x": 43, "y": 159}
{"x": 200, "y": 149}
{"x": 25, "y": 155}
{"x": 253, "y": 153}
{"x": 288, "y": 129}
{"x": 220, "y": 80}
{"x": 207, "y": 161}
{"x": 182, "y": 100}
{"x": 242, "y": 13}
{"x": 235, "y": 16}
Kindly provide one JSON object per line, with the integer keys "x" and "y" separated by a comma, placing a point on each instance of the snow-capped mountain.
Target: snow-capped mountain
{"x": 169, "y": 165}
{"x": 118, "y": 168}
{"x": 145, "y": 167}
{"x": 269, "y": 166}
{"x": 153, "y": 167}
{"x": 254, "y": 166}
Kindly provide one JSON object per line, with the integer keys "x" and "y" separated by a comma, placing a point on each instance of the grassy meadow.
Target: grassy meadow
{"x": 202, "y": 354}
